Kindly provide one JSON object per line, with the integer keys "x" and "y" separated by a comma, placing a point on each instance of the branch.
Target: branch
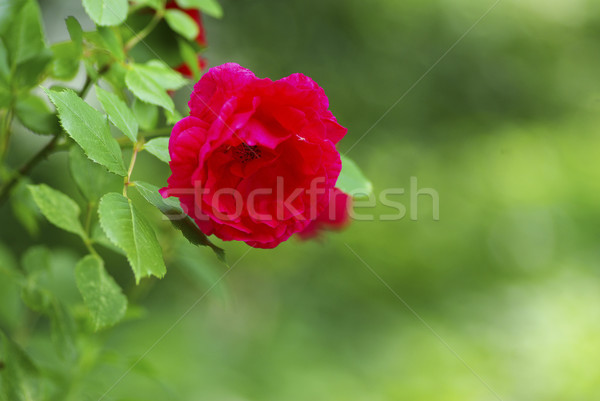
{"x": 26, "y": 168}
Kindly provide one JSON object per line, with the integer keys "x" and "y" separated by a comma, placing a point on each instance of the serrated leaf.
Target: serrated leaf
{"x": 125, "y": 226}
{"x": 171, "y": 209}
{"x": 58, "y": 208}
{"x": 92, "y": 179}
{"x": 101, "y": 294}
{"x": 209, "y": 7}
{"x": 165, "y": 76}
{"x": 106, "y": 12}
{"x": 352, "y": 180}
{"x": 159, "y": 147}
{"x": 89, "y": 129}
{"x": 35, "y": 114}
{"x": 182, "y": 23}
{"x": 145, "y": 114}
{"x": 145, "y": 88}
{"x": 118, "y": 112}
{"x": 168, "y": 206}
{"x": 26, "y": 38}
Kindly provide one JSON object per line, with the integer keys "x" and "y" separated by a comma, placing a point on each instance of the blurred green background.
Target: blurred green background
{"x": 499, "y": 299}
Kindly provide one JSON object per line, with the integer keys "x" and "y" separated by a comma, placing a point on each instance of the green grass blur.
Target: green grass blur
{"x": 499, "y": 299}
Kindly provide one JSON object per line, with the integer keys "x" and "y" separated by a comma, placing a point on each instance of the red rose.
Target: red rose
{"x": 334, "y": 217}
{"x": 256, "y": 160}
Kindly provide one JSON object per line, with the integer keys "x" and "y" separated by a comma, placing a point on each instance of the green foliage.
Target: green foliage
{"x": 146, "y": 114}
{"x": 190, "y": 58}
{"x": 159, "y": 147}
{"x": 35, "y": 114}
{"x": 102, "y": 295}
{"x": 106, "y": 12}
{"x": 182, "y": 23}
{"x": 58, "y": 208}
{"x": 144, "y": 87}
{"x": 125, "y": 226}
{"x": 92, "y": 179}
{"x": 172, "y": 211}
{"x": 8, "y": 10}
{"x": 24, "y": 37}
{"x": 352, "y": 180}
{"x": 62, "y": 297}
{"x": 209, "y": 7}
{"x": 20, "y": 379}
{"x": 118, "y": 112}
{"x": 88, "y": 127}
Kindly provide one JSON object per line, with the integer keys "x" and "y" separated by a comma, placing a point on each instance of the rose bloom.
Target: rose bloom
{"x": 256, "y": 159}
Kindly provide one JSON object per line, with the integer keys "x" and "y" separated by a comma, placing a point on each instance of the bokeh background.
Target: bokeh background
{"x": 499, "y": 299}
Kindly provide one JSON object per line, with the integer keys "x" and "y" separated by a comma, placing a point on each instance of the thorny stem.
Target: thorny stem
{"x": 26, "y": 168}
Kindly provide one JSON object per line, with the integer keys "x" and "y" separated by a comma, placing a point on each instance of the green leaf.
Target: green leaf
{"x": 173, "y": 117}
{"x": 58, "y": 208}
{"x": 36, "y": 260}
{"x": 30, "y": 72}
{"x": 101, "y": 294}
{"x": 24, "y": 208}
{"x": 168, "y": 206}
{"x": 8, "y": 10}
{"x": 190, "y": 58}
{"x": 209, "y": 7}
{"x": 159, "y": 147}
{"x": 112, "y": 42}
{"x": 145, "y": 88}
{"x": 19, "y": 377}
{"x": 62, "y": 330}
{"x": 5, "y": 73}
{"x": 106, "y": 12}
{"x": 35, "y": 114}
{"x": 182, "y": 23}
{"x": 171, "y": 209}
{"x": 155, "y": 4}
{"x": 92, "y": 179}
{"x": 75, "y": 31}
{"x": 65, "y": 61}
{"x": 118, "y": 112}
{"x": 352, "y": 180}
{"x": 164, "y": 75}
{"x": 89, "y": 129}
{"x": 145, "y": 114}
{"x": 25, "y": 39}
{"x": 125, "y": 226}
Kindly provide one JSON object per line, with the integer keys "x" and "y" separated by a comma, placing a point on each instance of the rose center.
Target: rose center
{"x": 245, "y": 153}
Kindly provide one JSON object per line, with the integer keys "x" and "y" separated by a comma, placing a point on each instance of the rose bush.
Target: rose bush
{"x": 256, "y": 159}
